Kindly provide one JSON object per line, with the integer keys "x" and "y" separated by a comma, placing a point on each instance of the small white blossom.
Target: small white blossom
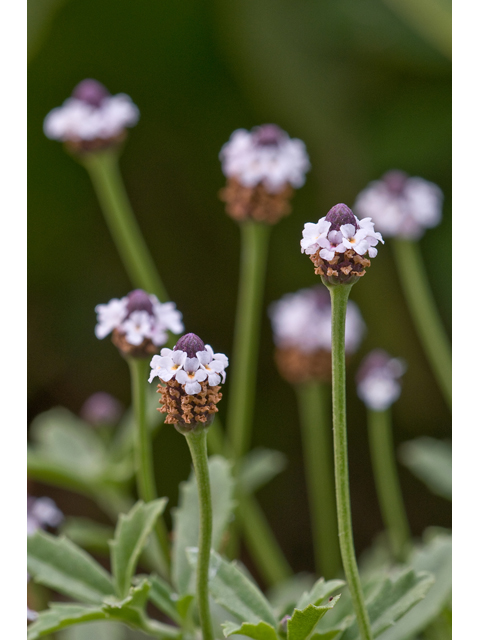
{"x": 110, "y": 316}
{"x": 378, "y": 380}
{"x": 312, "y": 234}
{"x": 401, "y": 206}
{"x": 167, "y": 365}
{"x": 42, "y": 513}
{"x": 191, "y": 375}
{"x": 266, "y": 155}
{"x": 213, "y": 366}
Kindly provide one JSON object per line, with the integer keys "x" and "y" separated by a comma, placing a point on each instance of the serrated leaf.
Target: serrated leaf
{"x": 231, "y": 589}
{"x": 186, "y": 519}
{"x": 259, "y": 631}
{"x": 131, "y": 536}
{"x": 319, "y": 592}
{"x": 60, "y": 616}
{"x": 392, "y": 601}
{"x": 431, "y": 461}
{"x": 58, "y": 563}
{"x": 258, "y": 467}
{"x": 304, "y": 621}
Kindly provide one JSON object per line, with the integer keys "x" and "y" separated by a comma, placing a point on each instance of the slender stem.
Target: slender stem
{"x": 387, "y": 482}
{"x": 339, "y": 296}
{"x": 317, "y": 445}
{"x": 425, "y": 316}
{"x": 197, "y": 443}
{"x": 247, "y": 332}
{"x": 107, "y": 181}
{"x": 143, "y": 451}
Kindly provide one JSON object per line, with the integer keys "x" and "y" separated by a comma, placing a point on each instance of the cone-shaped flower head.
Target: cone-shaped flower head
{"x": 139, "y": 323}
{"x": 101, "y": 409}
{"x": 191, "y": 373}
{"x": 42, "y": 513}
{"x": 378, "y": 380}
{"x": 262, "y": 168}
{"x": 302, "y": 332}
{"x": 401, "y": 206}
{"x": 91, "y": 119}
{"x": 338, "y": 243}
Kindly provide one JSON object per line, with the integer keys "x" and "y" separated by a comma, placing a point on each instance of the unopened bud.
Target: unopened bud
{"x": 190, "y": 343}
{"x": 91, "y": 92}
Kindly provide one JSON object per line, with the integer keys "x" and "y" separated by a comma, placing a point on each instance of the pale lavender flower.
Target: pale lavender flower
{"x": 378, "y": 380}
{"x": 191, "y": 375}
{"x": 101, "y": 408}
{"x": 42, "y": 513}
{"x": 167, "y": 365}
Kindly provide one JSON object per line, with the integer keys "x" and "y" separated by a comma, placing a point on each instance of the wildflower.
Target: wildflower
{"x": 42, "y": 513}
{"x": 191, "y": 374}
{"x": 378, "y": 380}
{"x": 401, "y": 206}
{"x": 101, "y": 409}
{"x": 302, "y": 329}
{"x": 91, "y": 119}
{"x": 262, "y": 167}
{"x": 139, "y": 323}
{"x": 338, "y": 243}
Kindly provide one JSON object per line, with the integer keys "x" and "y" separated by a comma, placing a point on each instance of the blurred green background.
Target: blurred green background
{"x": 365, "y": 83}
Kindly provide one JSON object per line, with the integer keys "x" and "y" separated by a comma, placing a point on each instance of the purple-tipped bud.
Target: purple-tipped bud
{"x": 190, "y": 343}
{"x": 339, "y": 215}
{"x": 138, "y": 300}
{"x": 268, "y": 135}
{"x": 396, "y": 181}
{"x": 90, "y": 91}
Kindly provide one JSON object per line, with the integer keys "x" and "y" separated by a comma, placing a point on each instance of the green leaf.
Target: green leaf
{"x": 303, "y": 622}
{"x": 58, "y": 563}
{"x": 164, "y": 598}
{"x": 258, "y": 631}
{"x": 392, "y": 600}
{"x": 327, "y": 635}
{"x": 258, "y": 467}
{"x": 319, "y": 592}
{"x": 88, "y": 534}
{"x": 131, "y": 536}
{"x": 186, "y": 519}
{"x": 231, "y": 589}
{"x": 60, "y": 616}
{"x": 431, "y": 461}
{"x": 101, "y": 630}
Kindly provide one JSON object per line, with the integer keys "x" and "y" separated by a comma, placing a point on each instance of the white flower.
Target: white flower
{"x": 110, "y": 316}
{"x": 191, "y": 375}
{"x": 332, "y": 244}
{"x": 42, "y": 513}
{"x": 137, "y": 327}
{"x": 167, "y": 315}
{"x": 213, "y": 364}
{"x": 266, "y": 155}
{"x": 167, "y": 365}
{"x": 313, "y": 234}
{"x": 378, "y": 378}
{"x": 401, "y": 206}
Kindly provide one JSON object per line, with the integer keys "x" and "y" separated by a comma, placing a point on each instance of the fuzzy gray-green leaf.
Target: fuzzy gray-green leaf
{"x": 60, "y": 616}
{"x": 303, "y": 622}
{"x": 258, "y": 631}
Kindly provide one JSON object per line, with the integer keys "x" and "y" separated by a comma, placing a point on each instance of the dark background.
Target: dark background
{"x": 366, "y": 91}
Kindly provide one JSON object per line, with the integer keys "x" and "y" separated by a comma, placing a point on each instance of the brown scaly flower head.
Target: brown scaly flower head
{"x": 338, "y": 243}
{"x": 139, "y": 323}
{"x": 262, "y": 167}
{"x": 91, "y": 119}
{"x": 302, "y": 332}
{"x": 191, "y": 374}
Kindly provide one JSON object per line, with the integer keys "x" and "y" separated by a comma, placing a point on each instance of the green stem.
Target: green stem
{"x": 247, "y": 333}
{"x": 387, "y": 482}
{"x": 317, "y": 445}
{"x": 425, "y": 316}
{"x": 143, "y": 452}
{"x": 107, "y": 181}
{"x": 339, "y": 296}
{"x": 197, "y": 443}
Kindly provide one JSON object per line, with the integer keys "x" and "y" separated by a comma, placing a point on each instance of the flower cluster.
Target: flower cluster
{"x": 42, "y": 513}
{"x": 139, "y": 322}
{"x": 101, "y": 409}
{"x": 378, "y": 380}
{"x": 192, "y": 373}
{"x": 337, "y": 244}
{"x": 302, "y": 332}
{"x": 262, "y": 169}
{"x": 401, "y": 206}
{"x": 91, "y": 118}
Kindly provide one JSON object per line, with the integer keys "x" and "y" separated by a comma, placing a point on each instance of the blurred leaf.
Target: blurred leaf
{"x": 431, "y": 461}
{"x": 319, "y": 592}
{"x": 258, "y": 467}
{"x": 258, "y": 631}
{"x": 231, "y": 589}
{"x": 58, "y": 563}
{"x": 96, "y": 630}
{"x": 59, "y": 616}
{"x": 131, "y": 535}
{"x": 304, "y": 621}
{"x": 88, "y": 534}
{"x": 186, "y": 518}
{"x": 285, "y": 596}
{"x": 163, "y": 597}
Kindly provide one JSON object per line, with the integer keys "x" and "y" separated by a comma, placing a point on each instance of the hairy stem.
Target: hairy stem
{"x": 197, "y": 443}
{"x": 339, "y": 296}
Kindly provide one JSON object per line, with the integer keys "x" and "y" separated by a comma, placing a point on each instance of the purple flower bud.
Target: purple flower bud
{"x": 101, "y": 409}
{"x": 395, "y": 181}
{"x": 138, "y": 300}
{"x": 90, "y": 91}
{"x": 268, "y": 135}
{"x": 190, "y": 343}
{"x": 339, "y": 215}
